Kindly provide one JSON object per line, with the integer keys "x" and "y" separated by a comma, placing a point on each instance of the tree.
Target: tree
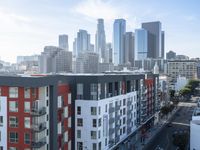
{"x": 193, "y": 84}
{"x": 165, "y": 110}
{"x": 172, "y": 93}
{"x": 185, "y": 91}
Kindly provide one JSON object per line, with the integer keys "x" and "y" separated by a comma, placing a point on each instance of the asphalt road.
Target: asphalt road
{"x": 180, "y": 121}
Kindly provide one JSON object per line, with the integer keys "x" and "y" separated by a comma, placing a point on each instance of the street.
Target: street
{"x": 179, "y": 122}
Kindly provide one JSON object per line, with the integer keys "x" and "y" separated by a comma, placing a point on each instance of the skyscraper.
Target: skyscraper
{"x": 163, "y": 45}
{"x": 119, "y": 29}
{"x": 141, "y": 44}
{"x": 82, "y": 43}
{"x": 154, "y": 38}
{"x": 63, "y": 41}
{"x": 100, "y": 40}
{"x": 129, "y": 48}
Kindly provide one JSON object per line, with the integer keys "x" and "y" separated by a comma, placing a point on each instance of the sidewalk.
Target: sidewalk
{"x": 154, "y": 130}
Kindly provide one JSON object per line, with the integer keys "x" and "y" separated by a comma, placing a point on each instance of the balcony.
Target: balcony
{"x": 38, "y": 112}
{"x": 38, "y": 144}
{"x": 39, "y": 127}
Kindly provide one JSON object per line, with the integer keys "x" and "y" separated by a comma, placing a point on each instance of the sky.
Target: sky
{"x": 26, "y": 26}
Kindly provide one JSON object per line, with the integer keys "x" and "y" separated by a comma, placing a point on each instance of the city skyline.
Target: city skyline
{"x": 26, "y": 29}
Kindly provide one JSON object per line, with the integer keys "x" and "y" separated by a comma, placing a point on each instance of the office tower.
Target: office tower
{"x": 35, "y": 113}
{"x": 74, "y": 53}
{"x": 163, "y": 45}
{"x": 119, "y": 29}
{"x": 82, "y": 43}
{"x": 63, "y": 42}
{"x": 55, "y": 59}
{"x": 154, "y": 38}
{"x": 170, "y": 55}
{"x": 108, "y": 53}
{"x": 141, "y": 44}
{"x": 100, "y": 40}
{"x": 87, "y": 63}
{"x": 129, "y": 48}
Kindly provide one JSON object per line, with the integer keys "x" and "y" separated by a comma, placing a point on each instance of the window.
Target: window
{"x": 105, "y": 141}
{"x": 1, "y": 147}
{"x": 93, "y": 111}
{"x": 13, "y": 136}
{"x": 99, "y": 122}
{"x": 12, "y": 148}
{"x": 27, "y": 138}
{"x": 79, "y": 110}
{"x": 13, "y": 121}
{"x": 124, "y": 102}
{"x": 27, "y": 93}
{"x": 79, "y": 145}
{"x": 124, "y": 130}
{"x": 94, "y": 122}
{"x": 93, "y": 91}
{"x": 106, "y": 107}
{"x": 99, "y": 134}
{"x": 99, "y": 110}
{"x": 13, "y": 106}
{"x": 99, "y": 146}
{"x": 27, "y": 107}
{"x": 1, "y": 120}
{"x": 93, "y": 135}
{"x": 94, "y": 146}
{"x": 124, "y": 120}
{"x": 124, "y": 111}
{"x": 13, "y": 92}
{"x": 78, "y": 133}
{"x": 79, "y": 91}
{"x": 0, "y": 91}
{"x": 27, "y": 122}
{"x": 80, "y": 122}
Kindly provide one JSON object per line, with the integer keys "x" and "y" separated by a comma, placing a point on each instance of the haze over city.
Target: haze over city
{"x": 27, "y": 26}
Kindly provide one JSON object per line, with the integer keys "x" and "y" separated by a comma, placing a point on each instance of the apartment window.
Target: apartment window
{"x": 94, "y": 122}
{"x": 99, "y": 110}
{"x": 27, "y": 107}
{"x": 93, "y": 135}
{"x": 93, "y": 91}
{"x": 0, "y": 91}
{"x": 13, "y": 92}
{"x": 80, "y": 122}
{"x": 27, "y": 138}
{"x": 124, "y": 111}
{"x": 79, "y": 110}
{"x": 47, "y": 91}
{"x": 13, "y": 106}
{"x": 13, "y": 121}
{"x": 99, "y": 146}
{"x": 93, "y": 111}
{"x": 105, "y": 141}
{"x": 79, "y": 91}
{"x": 124, "y": 102}
{"x": 27, "y": 123}
{"x": 79, "y": 145}
{"x": 124, "y": 130}
{"x": 13, "y": 137}
{"x": 1, "y": 120}
{"x": 124, "y": 120}
{"x": 27, "y": 93}
{"x": 94, "y": 146}
{"x": 99, "y": 122}
{"x": 99, "y": 134}
{"x": 78, "y": 133}
{"x": 106, "y": 108}
{"x": 34, "y": 93}
{"x": 12, "y": 148}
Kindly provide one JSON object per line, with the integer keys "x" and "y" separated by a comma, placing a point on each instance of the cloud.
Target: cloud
{"x": 98, "y": 9}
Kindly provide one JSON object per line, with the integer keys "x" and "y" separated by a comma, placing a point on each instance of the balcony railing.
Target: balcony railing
{"x": 38, "y": 144}
{"x": 38, "y": 112}
{"x": 38, "y": 127}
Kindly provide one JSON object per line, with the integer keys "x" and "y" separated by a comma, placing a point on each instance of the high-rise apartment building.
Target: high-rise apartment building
{"x": 154, "y": 38}
{"x": 141, "y": 44}
{"x": 129, "y": 48}
{"x": 100, "y": 40}
{"x": 163, "y": 44}
{"x": 35, "y": 113}
{"x": 55, "y": 60}
{"x": 63, "y": 42}
{"x": 119, "y": 29}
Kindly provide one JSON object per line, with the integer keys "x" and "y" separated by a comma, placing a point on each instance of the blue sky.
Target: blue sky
{"x": 26, "y": 26}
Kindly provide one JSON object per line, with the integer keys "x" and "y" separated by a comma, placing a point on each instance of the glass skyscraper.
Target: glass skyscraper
{"x": 141, "y": 44}
{"x": 119, "y": 29}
